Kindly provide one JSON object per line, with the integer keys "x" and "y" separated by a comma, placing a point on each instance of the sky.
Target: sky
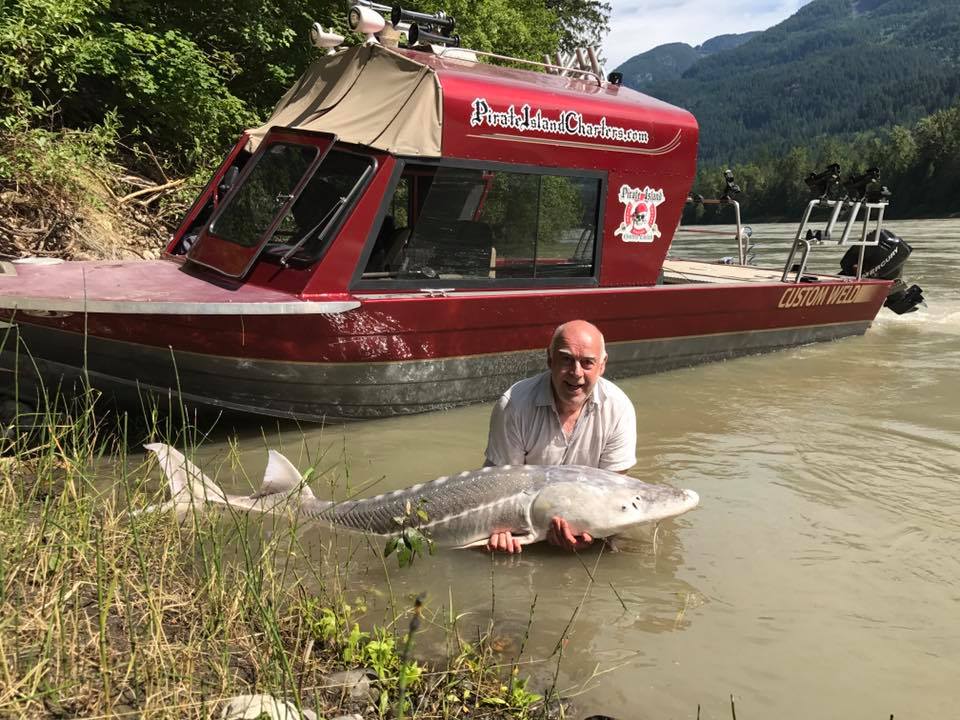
{"x": 639, "y": 25}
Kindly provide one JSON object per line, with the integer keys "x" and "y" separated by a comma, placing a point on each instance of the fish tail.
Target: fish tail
{"x": 189, "y": 487}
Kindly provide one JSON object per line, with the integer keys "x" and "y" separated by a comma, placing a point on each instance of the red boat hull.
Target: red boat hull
{"x": 413, "y": 353}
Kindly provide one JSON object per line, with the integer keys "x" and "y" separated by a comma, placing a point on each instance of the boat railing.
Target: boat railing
{"x": 593, "y": 70}
{"x": 860, "y": 193}
{"x": 858, "y": 199}
{"x": 743, "y": 232}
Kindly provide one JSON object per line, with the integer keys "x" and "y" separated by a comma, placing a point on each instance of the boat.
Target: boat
{"x": 404, "y": 233}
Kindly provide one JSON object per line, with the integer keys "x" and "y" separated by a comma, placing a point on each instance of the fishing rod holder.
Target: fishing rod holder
{"x": 861, "y": 192}
{"x": 825, "y": 183}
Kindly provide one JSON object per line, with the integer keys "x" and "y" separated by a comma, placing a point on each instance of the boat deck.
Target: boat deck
{"x": 678, "y": 272}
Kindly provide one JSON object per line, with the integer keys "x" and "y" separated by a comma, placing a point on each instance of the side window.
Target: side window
{"x": 468, "y": 223}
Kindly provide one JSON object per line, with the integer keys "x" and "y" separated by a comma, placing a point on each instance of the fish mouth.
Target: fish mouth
{"x": 692, "y": 498}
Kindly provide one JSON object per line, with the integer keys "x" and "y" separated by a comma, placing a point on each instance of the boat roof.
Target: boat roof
{"x": 409, "y": 102}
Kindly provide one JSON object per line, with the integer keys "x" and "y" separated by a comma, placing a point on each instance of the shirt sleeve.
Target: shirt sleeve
{"x": 504, "y": 444}
{"x": 620, "y": 446}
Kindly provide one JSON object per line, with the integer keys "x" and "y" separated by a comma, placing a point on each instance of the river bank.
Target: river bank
{"x": 109, "y": 613}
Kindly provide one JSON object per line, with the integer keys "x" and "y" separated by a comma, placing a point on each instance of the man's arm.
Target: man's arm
{"x": 504, "y": 447}
{"x": 504, "y": 442}
{"x": 619, "y": 452}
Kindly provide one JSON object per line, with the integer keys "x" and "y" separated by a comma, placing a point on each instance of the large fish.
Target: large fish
{"x": 460, "y": 511}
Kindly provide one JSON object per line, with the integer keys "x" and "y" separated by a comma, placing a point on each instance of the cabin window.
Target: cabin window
{"x": 480, "y": 224}
{"x": 306, "y": 229}
{"x": 269, "y": 185}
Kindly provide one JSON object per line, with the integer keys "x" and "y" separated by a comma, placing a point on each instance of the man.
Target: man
{"x": 568, "y": 415}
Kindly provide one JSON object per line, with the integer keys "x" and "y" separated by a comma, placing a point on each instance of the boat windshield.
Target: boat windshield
{"x": 308, "y": 226}
{"x": 287, "y": 206}
{"x": 269, "y": 185}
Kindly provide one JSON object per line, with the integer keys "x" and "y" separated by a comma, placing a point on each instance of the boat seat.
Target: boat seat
{"x": 396, "y": 246}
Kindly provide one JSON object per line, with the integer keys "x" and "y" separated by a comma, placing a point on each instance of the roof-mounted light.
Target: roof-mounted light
{"x": 366, "y": 21}
{"x": 323, "y": 39}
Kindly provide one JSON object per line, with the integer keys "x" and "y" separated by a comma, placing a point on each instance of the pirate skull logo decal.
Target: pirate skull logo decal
{"x": 639, "y": 214}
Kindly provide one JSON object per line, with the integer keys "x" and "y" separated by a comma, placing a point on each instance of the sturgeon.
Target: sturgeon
{"x": 462, "y": 511}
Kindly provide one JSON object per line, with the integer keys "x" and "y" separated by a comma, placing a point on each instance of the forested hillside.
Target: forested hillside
{"x": 920, "y": 164}
{"x": 113, "y": 111}
{"x": 834, "y": 69}
{"x": 671, "y": 61}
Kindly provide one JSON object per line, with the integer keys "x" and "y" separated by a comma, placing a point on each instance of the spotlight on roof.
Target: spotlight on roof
{"x": 366, "y": 21}
{"x": 325, "y": 40}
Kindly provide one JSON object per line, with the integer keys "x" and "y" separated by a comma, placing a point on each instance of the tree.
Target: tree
{"x": 583, "y": 23}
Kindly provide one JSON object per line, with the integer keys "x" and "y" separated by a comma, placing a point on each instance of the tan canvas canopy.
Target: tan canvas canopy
{"x": 367, "y": 95}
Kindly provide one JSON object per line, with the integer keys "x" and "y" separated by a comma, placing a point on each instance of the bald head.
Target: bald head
{"x": 577, "y": 358}
{"x": 578, "y": 331}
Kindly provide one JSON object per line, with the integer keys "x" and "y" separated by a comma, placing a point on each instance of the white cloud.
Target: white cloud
{"x": 639, "y": 25}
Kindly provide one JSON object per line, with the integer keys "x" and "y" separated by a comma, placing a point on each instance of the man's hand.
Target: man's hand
{"x": 560, "y": 534}
{"x": 504, "y": 542}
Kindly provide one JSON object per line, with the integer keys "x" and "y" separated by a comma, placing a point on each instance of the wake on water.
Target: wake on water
{"x": 939, "y": 315}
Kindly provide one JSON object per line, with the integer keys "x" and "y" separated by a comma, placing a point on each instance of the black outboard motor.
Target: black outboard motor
{"x": 885, "y": 261}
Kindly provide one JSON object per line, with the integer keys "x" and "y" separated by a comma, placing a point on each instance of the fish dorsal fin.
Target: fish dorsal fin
{"x": 187, "y": 481}
{"x": 282, "y": 477}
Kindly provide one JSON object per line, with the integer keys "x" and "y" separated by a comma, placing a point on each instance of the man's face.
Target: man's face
{"x": 575, "y": 366}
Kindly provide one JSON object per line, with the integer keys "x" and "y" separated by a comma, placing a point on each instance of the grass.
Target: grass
{"x": 105, "y": 613}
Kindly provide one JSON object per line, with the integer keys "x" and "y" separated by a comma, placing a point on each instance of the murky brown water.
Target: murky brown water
{"x": 819, "y": 578}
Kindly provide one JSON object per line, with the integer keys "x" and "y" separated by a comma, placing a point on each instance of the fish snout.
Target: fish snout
{"x": 693, "y": 499}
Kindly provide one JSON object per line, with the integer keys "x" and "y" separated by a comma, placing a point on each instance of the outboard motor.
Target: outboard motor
{"x": 885, "y": 261}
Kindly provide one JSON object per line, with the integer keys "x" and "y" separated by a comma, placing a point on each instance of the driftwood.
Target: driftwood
{"x": 155, "y": 190}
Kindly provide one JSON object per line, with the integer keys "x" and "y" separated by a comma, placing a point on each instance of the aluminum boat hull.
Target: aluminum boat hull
{"x": 382, "y": 355}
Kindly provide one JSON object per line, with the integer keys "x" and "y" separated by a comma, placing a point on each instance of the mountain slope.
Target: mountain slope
{"x": 834, "y": 68}
{"x": 670, "y": 61}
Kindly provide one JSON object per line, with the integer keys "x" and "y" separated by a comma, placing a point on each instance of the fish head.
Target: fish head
{"x": 604, "y": 504}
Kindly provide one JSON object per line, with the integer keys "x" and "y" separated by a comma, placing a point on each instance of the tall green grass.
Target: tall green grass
{"x": 108, "y": 613}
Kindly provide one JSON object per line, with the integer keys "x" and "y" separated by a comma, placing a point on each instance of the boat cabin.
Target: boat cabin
{"x": 403, "y": 171}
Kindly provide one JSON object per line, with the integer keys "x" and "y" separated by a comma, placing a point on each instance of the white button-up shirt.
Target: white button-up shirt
{"x": 525, "y": 428}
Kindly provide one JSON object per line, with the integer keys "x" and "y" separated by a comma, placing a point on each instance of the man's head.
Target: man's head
{"x": 577, "y": 358}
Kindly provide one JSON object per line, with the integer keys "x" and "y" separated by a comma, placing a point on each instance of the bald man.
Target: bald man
{"x": 568, "y": 415}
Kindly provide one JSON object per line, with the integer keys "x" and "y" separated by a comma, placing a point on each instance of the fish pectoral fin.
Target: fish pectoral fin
{"x": 525, "y": 538}
{"x": 282, "y": 477}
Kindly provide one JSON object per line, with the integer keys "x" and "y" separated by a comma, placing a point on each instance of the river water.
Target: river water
{"x": 820, "y": 576}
